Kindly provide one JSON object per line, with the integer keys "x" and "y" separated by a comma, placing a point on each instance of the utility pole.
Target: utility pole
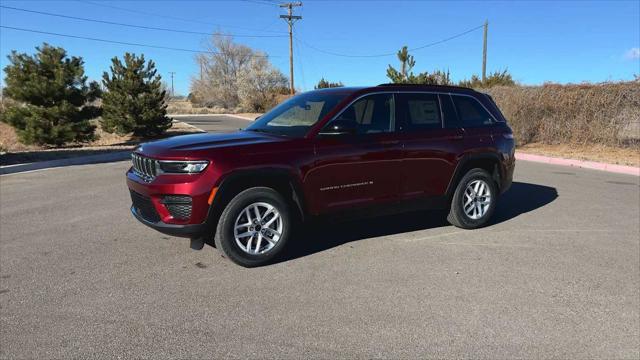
{"x": 290, "y": 19}
{"x": 172, "y": 73}
{"x": 484, "y": 51}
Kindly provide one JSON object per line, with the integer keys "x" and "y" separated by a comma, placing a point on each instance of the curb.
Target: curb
{"x": 79, "y": 160}
{"x": 239, "y": 117}
{"x": 612, "y": 168}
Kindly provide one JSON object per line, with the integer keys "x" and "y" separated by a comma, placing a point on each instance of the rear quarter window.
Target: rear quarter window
{"x": 471, "y": 113}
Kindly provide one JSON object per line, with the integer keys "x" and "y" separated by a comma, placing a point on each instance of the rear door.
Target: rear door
{"x": 430, "y": 147}
{"x": 359, "y": 169}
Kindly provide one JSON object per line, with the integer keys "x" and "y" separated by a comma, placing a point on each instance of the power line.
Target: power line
{"x": 124, "y": 43}
{"x": 168, "y": 16}
{"x": 133, "y": 26}
{"x": 390, "y": 53}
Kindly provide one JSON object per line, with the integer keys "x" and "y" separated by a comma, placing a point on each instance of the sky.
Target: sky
{"x": 537, "y": 41}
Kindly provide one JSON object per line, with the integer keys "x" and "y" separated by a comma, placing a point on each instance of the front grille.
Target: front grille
{"x": 179, "y": 206}
{"x": 144, "y": 167}
{"x": 144, "y": 207}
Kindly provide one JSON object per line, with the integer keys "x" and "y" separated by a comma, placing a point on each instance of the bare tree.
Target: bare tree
{"x": 259, "y": 84}
{"x": 223, "y": 64}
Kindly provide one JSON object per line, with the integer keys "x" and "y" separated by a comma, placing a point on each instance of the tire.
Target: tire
{"x": 245, "y": 250}
{"x": 478, "y": 213}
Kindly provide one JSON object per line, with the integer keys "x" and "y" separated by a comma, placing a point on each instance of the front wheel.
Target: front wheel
{"x": 254, "y": 227}
{"x": 474, "y": 200}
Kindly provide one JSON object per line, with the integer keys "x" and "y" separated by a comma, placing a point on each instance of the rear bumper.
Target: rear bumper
{"x": 190, "y": 230}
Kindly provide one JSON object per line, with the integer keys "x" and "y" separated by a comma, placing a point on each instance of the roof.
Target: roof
{"x": 425, "y": 86}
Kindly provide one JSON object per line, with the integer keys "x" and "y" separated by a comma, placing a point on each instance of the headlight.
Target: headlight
{"x": 182, "y": 167}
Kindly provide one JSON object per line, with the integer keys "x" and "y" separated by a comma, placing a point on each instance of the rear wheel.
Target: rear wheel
{"x": 474, "y": 200}
{"x": 254, "y": 227}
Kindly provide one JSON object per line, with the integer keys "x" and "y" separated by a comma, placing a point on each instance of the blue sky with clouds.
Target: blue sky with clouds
{"x": 538, "y": 41}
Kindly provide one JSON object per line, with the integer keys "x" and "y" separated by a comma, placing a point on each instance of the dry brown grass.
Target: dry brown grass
{"x": 586, "y": 114}
{"x": 9, "y": 140}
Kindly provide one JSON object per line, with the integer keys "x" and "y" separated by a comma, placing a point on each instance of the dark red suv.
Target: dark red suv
{"x": 331, "y": 151}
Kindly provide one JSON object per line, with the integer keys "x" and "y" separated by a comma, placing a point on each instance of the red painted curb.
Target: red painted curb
{"x": 613, "y": 168}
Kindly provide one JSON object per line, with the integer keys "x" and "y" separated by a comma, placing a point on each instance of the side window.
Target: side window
{"x": 471, "y": 113}
{"x": 420, "y": 111}
{"x": 372, "y": 114}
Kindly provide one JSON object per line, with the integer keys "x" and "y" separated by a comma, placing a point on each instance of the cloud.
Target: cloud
{"x": 632, "y": 54}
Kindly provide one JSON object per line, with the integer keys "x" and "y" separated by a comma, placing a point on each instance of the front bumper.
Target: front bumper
{"x": 190, "y": 230}
{"x": 151, "y": 207}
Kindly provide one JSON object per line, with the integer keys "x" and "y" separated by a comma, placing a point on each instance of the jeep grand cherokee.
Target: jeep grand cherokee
{"x": 329, "y": 151}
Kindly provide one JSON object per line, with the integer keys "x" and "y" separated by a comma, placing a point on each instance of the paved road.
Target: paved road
{"x": 557, "y": 276}
{"x": 215, "y": 123}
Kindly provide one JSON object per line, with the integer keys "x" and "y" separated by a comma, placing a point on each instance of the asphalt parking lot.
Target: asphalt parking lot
{"x": 556, "y": 276}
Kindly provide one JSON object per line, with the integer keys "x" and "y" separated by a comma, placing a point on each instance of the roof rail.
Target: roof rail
{"x": 431, "y": 85}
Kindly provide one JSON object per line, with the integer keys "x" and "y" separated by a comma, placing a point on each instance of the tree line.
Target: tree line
{"x": 440, "y": 77}
{"x": 51, "y": 101}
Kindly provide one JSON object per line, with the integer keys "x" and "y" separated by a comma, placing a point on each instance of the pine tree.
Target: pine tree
{"x": 51, "y": 95}
{"x": 134, "y": 101}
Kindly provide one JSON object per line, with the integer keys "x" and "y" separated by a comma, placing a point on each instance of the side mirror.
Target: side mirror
{"x": 339, "y": 127}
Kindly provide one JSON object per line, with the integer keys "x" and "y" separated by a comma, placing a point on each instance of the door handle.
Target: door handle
{"x": 457, "y": 137}
{"x": 389, "y": 142}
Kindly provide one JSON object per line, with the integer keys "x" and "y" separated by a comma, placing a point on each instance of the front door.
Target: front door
{"x": 362, "y": 168}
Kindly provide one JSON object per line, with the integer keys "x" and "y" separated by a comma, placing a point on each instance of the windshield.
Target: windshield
{"x": 295, "y": 116}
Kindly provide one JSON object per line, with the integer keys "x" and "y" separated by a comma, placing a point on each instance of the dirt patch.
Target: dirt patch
{"x": 599, "y": 153}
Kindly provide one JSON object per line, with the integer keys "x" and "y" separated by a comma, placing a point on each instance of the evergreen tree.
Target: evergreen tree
{"x": 51, "y": 97}
{"x": 134, "y": 101}
{"x": 323, "y": 84}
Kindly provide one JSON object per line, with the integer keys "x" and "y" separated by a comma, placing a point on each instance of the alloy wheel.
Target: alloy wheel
{"x": 477, "y": 199}
{"x": 258, "y": 228}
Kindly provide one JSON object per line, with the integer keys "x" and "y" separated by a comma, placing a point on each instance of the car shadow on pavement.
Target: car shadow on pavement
{"x": 519, "y": 199}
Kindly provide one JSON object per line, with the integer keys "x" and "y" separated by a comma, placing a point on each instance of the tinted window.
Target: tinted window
{"x": 295, "y": 116}
{"x": 420, "y": 111}
{"x": 470, "y": 112}
{"x": 372, "y": 114}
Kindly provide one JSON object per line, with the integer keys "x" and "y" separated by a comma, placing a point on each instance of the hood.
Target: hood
{"x": 179, "y": 145}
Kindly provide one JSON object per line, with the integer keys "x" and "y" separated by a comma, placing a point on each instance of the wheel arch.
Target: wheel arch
{"x": 487, "y": 161}
{"x": 279, "y": 179}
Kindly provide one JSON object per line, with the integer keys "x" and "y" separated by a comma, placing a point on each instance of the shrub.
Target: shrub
{"x": 51, "y": 97}
{"x": 496, "y": 78}
{"x": 134, "y": 101}
{"x": 564, "y": 114}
